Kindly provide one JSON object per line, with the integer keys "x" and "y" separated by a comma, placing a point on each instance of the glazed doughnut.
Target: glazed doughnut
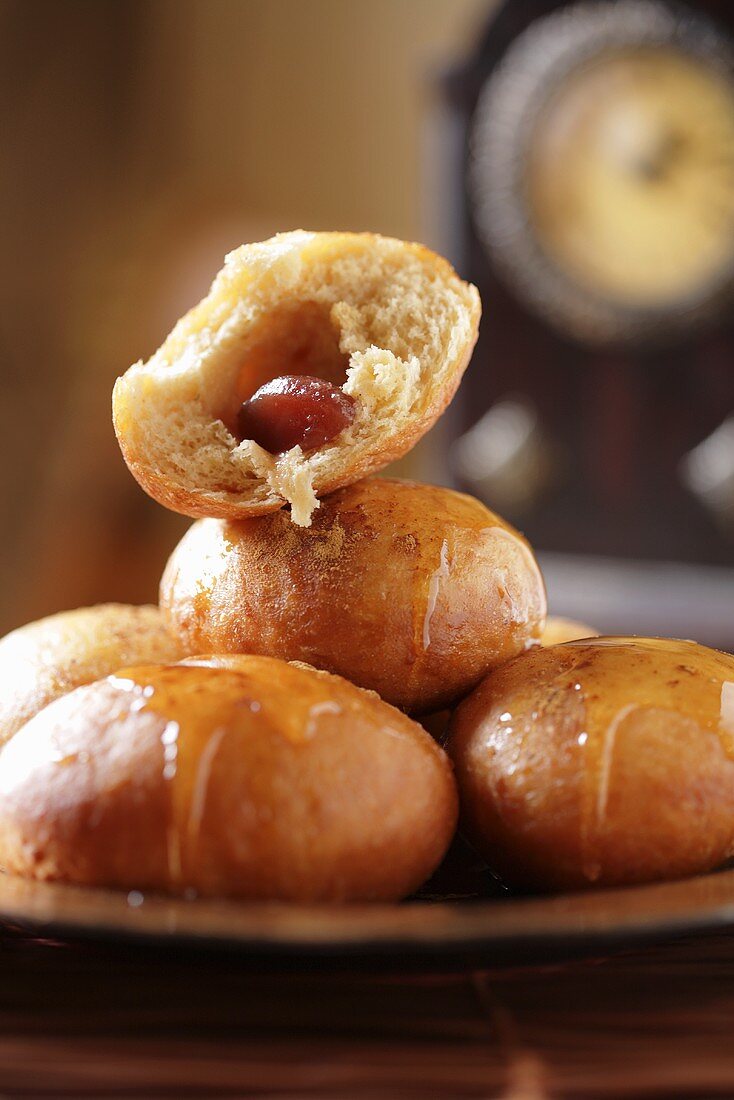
{"x": 557, "y": 630}
{"x": 46, "y": 659}
{"x": 259, "y": 780}
{"x": 387, "y": 327}
{"x": 600, "y": 762}
{"x": 411, "y": 590}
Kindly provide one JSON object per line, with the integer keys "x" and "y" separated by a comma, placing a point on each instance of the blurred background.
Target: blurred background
{"x": 576, "y": 161}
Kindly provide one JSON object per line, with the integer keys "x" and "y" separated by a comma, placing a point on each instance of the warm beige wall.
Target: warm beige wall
{"x": 315, "y": 107}
{"x": 143, "y": 139}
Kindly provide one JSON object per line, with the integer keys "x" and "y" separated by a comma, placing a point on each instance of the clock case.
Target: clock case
{"x": 617, "y": 416}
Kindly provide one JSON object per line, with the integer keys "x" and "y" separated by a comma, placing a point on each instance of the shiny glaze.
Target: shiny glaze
{"x": 441, "y": 572}
{"x": 659, "y": 672}
{"x": 189, "y": 712}
{"x": 679, "y": 677}
{"x": 237, "y": 775}
{"x": 201, "y": 707}
{"x": 589, "y": 694}
{"x": 411, "y": 590}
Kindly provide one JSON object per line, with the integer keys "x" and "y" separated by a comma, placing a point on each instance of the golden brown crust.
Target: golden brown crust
{"x": 412, "y": 590}
{"x": 600, "y": 762}
{"x": 46, "y": 659}
{"x": 404, "y": 327}
{"x": 259, "y": 781}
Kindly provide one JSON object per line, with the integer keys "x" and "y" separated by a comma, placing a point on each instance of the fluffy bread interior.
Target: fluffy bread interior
{"x": 391, "y": 322}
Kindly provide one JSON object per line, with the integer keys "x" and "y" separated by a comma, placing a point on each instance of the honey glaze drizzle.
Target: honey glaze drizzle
{"x": 605, "y": 765}
{"x": 680, "y": 677}
{"x": 517, "y": 596}
{"x": 201, "y": 784}
{"x": 188, "y": 698}
{"x": 200, "y": 706}
{"x": 314, "y": 716}
{"x": 726, "y": 716}
{"x": 441, "y": 573}
{"x": 169, "y": 740}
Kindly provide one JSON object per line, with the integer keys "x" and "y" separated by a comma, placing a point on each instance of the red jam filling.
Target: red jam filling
{"x": 295, "y": 410}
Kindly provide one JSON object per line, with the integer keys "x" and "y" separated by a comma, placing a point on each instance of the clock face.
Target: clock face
{"x": 602, "y": 170}
{"x": 630, "y": 177}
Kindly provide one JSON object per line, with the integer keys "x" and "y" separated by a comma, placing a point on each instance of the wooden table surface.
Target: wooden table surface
{"x": 104, "y": 1020}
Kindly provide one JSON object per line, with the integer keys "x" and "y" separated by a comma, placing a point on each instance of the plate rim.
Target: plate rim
{"x": 412, "y": 929}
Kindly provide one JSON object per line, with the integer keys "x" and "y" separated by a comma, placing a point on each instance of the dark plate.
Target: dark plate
{"x": 505, "y": 930}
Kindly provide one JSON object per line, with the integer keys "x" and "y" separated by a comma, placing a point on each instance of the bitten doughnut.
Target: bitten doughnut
{"x": 557, "y": 630}
{"x": 43, "y": 660}
{"x": 315, "y": 359}
{"x": 258, "y": 780}
{"x": 411, "y": 590}
{"x": 600, "y": 762}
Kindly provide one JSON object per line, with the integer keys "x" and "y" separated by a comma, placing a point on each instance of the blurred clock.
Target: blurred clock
{"x": 594, "y": 208}
{"x": 602, "y": 169}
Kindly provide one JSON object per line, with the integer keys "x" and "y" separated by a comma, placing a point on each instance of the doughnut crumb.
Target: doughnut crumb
{"x": 388, "y": 322}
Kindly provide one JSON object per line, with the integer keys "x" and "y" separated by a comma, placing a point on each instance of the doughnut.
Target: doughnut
{"x": 43, "y": 660}
{"x": 412, "y": 590}
{"x": 248, "y": 778}
{"x": 557, "y": 630}
{"x": 600, "y": 762}
{"x": 315, "y": 359}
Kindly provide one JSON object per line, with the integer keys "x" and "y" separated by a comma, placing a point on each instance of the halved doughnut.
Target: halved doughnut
{"x": 388, "y": 322}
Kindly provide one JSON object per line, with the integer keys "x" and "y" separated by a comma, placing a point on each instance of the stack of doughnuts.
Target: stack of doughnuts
{"x": 263, "y": 734}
